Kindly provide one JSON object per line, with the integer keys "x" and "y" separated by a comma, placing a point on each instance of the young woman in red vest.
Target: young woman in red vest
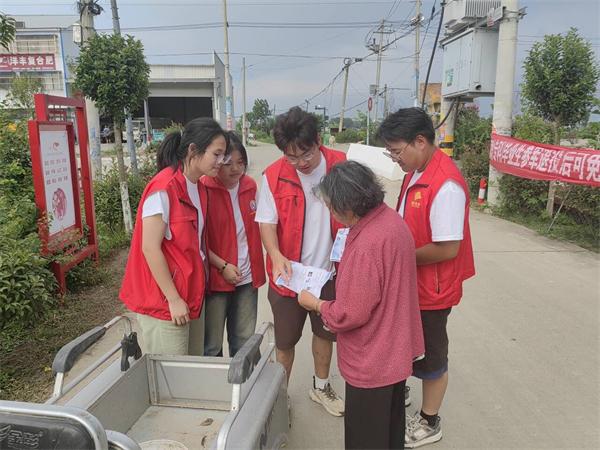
{"x": 236, "y": 256}
{"x": 165, "y": 277}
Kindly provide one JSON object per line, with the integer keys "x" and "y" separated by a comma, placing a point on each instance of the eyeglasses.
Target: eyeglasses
{"x": 306, "y": 156}
{"x": 223, "y": 158}
{"x": 394, "y": 155}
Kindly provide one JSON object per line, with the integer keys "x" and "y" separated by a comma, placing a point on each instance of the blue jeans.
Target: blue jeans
{"x": 237, "y": 309}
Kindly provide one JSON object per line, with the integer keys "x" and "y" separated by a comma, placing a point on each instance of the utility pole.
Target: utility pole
{"x": 228, "y": 100}
{"x": 93, "y": 116}
{"x": 128, "y": 122}
{"x": 505, "y": 80}
{"x": 379, "y": 51}
{"x": 347, "y": 63}
{"x": 147, "y": 122}
{"x": 417, "y": 21}
{"x": 385, "y": 102}
{"x": 127, "y": 218}
{"x": 115, "y": 17}
{"x": 446, "y": 131}
{"x": 244, "y": 129}
{"x": 307, "y": 102}
{"x": 368, "y": 123}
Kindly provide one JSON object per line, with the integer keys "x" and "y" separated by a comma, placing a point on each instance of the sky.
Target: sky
{"x": 303, "y": 59}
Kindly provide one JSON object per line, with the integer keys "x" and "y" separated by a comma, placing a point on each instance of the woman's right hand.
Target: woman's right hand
{"x": 180, "y": 313}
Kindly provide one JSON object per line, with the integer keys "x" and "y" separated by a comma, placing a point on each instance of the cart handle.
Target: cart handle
{"x": 242, "y": 364}
{"x": 67, "y": 356}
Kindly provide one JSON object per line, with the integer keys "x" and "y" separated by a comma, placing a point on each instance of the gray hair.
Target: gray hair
{"x": 352, "y": 187}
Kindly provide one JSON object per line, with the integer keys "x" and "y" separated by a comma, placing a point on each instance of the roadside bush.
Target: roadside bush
{"x": 525, "y": 200}
{"x": 472, "y": 145}
{"x": 26, "y": 284}
{"x": 351, "y": 135}
{"x": 263, "y": 137}
{"x": 520, "y": 195}
{"x": 107, "y": 196}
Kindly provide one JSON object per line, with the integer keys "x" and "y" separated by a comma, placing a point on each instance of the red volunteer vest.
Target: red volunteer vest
{"x": 286, "y": 188}
{"x": 139, "y": 290}
{"x": 222, "y": 234}
{"x": 440, "y": 284}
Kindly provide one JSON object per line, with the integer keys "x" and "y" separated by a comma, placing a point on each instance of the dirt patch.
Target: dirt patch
{"x": 25, "y": 370}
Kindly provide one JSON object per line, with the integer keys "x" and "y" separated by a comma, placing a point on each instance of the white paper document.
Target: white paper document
{"x": 339, "y": 245}
{"x": 305, "y": 278}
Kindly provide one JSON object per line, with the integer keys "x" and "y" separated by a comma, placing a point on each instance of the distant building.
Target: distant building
{"x": 433, "y": 100}
{"x": 180, "y": 93}
{"x": 42, "y": 49}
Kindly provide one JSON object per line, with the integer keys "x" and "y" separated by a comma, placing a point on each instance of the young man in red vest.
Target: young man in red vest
{"x": 296, "y": 226}
{"x": 434, "y": 202}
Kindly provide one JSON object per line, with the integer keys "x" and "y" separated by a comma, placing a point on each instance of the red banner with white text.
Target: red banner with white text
{"x": 536, "y": 161}
{"x": 29, "y": 61}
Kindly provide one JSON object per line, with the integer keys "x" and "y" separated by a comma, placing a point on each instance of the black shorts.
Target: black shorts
{"x": 289, "y": 318}
{"x": 435, "y": 363}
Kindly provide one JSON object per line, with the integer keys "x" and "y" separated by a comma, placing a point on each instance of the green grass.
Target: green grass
{"x": 565, "y": 228}
{"x": 26, "y": 353}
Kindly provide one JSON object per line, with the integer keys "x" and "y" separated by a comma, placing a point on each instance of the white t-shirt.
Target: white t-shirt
{"x": 242, "y": 241}
{"x": 317, "y": 241}
{"x": 158, "y": 203}
{"x": 447, "y": 214}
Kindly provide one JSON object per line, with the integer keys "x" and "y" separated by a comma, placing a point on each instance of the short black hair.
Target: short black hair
{"x": 235, "y": 143}
{"x": 351, "y": 186}
{"x": 405, "y": 125}
{"x": 297, "y": 128}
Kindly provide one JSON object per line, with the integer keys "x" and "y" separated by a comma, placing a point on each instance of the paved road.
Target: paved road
{"x": 525, "y": 346}
{"x": 524, "y": 355}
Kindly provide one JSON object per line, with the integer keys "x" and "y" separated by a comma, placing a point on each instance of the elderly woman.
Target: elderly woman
{"x": 376, "y": 310}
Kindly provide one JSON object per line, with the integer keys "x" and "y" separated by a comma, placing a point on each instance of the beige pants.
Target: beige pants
{"x": 163, "y": 337}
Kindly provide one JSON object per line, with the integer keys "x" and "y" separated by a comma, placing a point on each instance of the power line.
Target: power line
{"x": 217, "y": 3}
{"x": 393, "y": 9}
{"x": 264, "y": 25}
{"x": 328, "y": 57}
{"x": 437, "y": 36}
{"x": 351, "y": 108}
{"x": 319, "y": 42}
{"x": 355, "y": 61}
{"x": 333, "y": 80}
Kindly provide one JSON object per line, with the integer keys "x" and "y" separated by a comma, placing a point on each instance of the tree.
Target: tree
{"x": 560, "y": 80}
{"x": 361, "y": 119}
{"x": 21, "y": 93}
{"x": 260, "y": 115}
{"x": 111, "y": 70}
{"x": 7, "y": 30}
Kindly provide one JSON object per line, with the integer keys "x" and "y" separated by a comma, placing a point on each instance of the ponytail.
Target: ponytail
{"x": 174, "y": 148}
{"x": 168, "y": 154}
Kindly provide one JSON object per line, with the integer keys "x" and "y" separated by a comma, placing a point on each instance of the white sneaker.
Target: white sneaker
{"x": 419, "y": 432}
{"x": 327, "y": 397}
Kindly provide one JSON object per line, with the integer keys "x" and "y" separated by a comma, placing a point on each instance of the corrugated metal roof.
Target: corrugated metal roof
{"x": 181, "y": 72}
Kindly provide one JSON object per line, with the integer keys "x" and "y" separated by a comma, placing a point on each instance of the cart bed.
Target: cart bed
{"x": 194, "y": 428}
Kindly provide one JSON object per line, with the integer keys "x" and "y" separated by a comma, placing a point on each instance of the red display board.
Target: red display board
{"x": 58, "y": 184}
